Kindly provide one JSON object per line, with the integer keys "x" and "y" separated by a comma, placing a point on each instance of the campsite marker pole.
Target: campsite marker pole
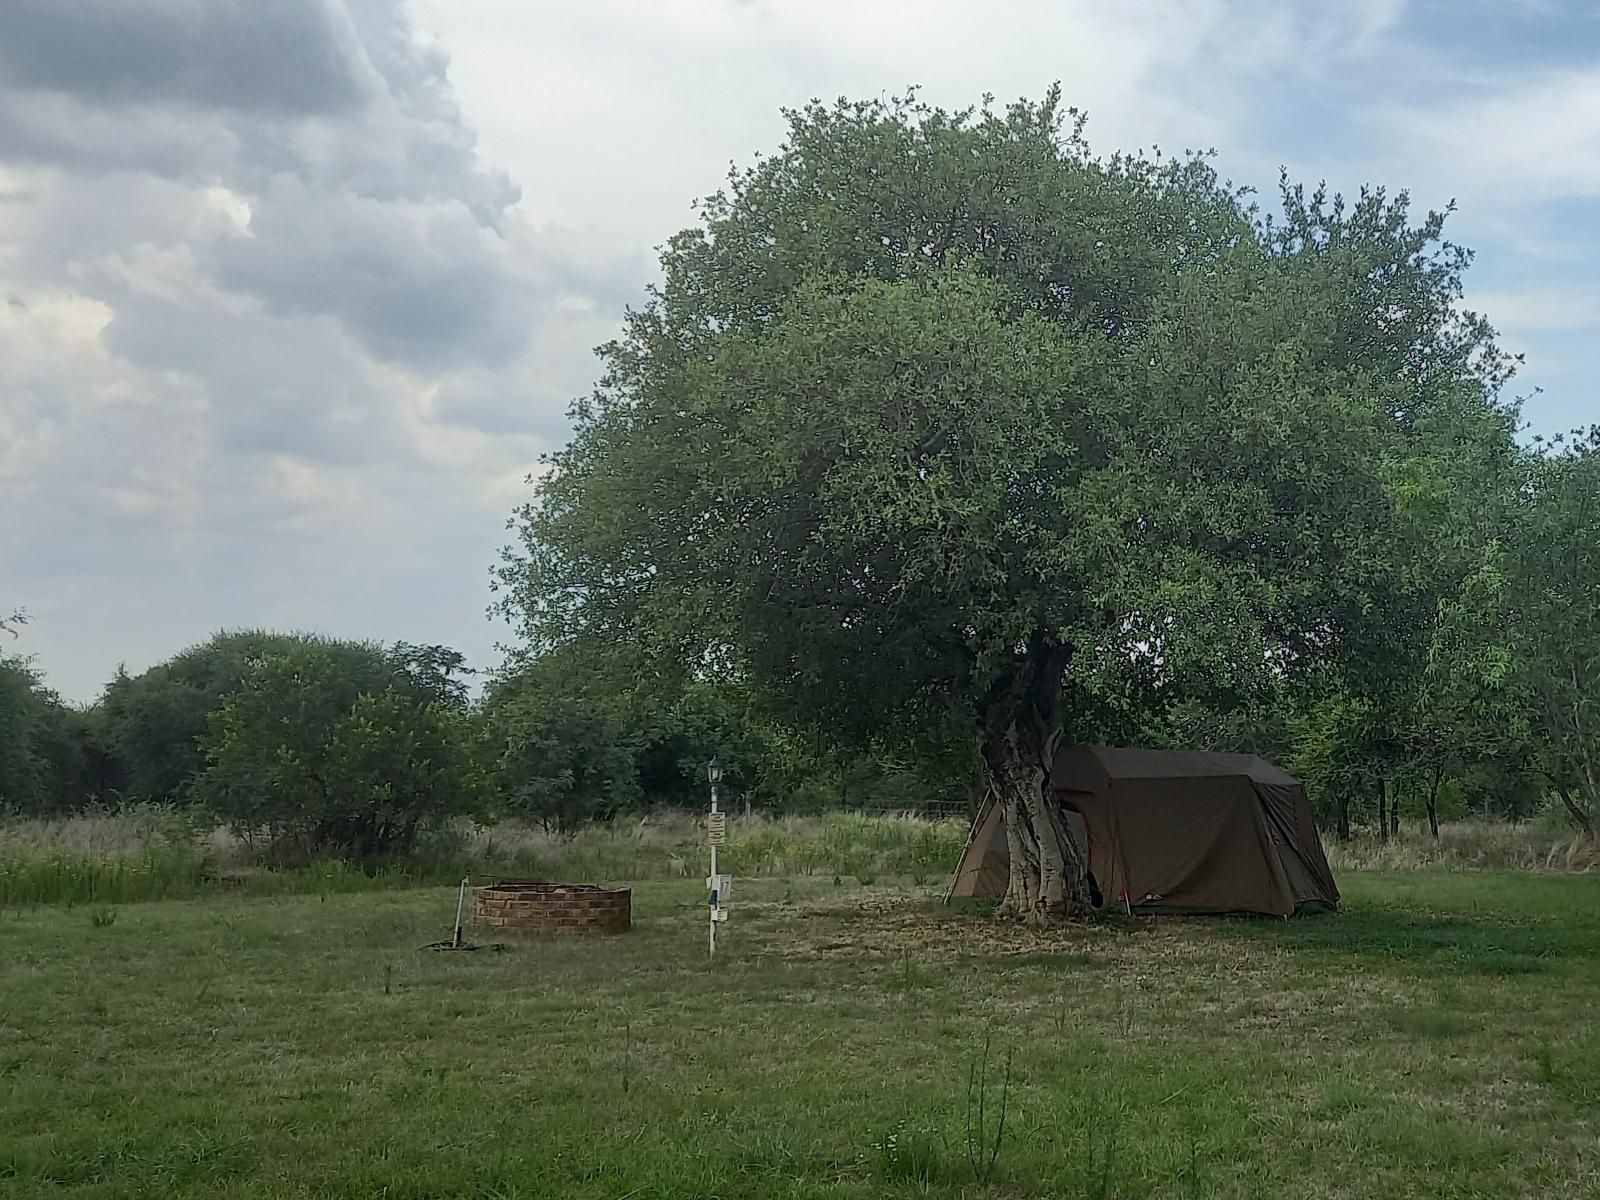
{"x": 716, "y": 831}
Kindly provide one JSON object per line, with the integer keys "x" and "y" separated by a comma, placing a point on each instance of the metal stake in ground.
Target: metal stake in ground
{"x": 456, "y": 941}
{"x": 716, "y": 835}
{"x": 461, "y": 903}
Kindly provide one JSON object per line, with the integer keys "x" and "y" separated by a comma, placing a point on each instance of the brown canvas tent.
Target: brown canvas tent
{"x": 1174, "y": 831}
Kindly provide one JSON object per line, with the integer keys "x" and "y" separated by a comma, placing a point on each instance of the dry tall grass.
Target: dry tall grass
{"x": 672, "y": 845}
{"x": 127, "y": 833}
{"x": 1525, "y": 846}
{"x": 149, "y": 852}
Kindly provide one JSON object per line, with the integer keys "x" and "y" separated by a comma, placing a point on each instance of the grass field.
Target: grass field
{"x": 1438, "y": 1038}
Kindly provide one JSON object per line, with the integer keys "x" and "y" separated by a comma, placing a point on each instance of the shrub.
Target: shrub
{"x": 336, "y": 748}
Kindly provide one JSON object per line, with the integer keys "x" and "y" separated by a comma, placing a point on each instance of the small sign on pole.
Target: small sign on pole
{"x": 717, "y": 829}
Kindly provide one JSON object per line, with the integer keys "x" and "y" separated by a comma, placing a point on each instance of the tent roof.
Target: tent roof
{"x": 1120, "y": 762}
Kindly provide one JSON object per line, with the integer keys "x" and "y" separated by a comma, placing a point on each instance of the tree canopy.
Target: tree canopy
{"x": 938, "y": 413}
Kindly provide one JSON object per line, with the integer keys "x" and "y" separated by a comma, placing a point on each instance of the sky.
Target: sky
{"x": 293, "y": 296}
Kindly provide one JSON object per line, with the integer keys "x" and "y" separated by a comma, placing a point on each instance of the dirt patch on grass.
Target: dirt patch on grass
{"x": 1165, "y": 970}
{"x": 893, "y": 924}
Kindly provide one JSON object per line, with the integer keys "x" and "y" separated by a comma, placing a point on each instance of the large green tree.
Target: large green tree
{"x": 933, "y": 412}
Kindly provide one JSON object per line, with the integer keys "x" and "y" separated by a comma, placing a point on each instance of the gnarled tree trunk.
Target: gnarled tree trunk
{"x": 1577, "y": 765}
{"x": 1433, "y": 800}
{"x": 1580, "y": 816}
{"x": 1020, "y": 732}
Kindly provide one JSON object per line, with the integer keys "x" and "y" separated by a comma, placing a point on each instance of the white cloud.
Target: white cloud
{"x": 225, "y": 293}
{"x": 1540, "y": 308}
{"x": 1531, "y": 140}
{"x": 623, "y": 112}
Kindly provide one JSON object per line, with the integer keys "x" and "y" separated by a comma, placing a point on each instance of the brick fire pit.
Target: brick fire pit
{"x": 558, "y": 907}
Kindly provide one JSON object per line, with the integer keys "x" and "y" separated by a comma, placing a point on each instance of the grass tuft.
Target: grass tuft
{"x": 908, "y": 975}
{"x": 908, "y": 1152}
{"x": 1428, "y": 1023}
{"x": 1545, "y": 1065}
{"x": 987, "y": 1110}
{"x": 1483, "y": 845}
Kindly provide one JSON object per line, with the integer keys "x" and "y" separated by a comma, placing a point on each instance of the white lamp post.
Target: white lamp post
{"x": 716, "y": 832}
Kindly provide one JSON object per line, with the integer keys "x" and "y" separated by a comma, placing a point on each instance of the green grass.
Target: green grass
{"x": 1439, "y": 1038}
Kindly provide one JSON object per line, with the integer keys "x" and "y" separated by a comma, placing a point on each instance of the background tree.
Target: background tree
{"x": 1335, "y": 735}
{"x": 1529, "y": 619}
{"x": 399, "y": 763}
{"x": 439, "y": 671}
{"x": 26, "y": 710}
{"x": 934, "y": 410}
{"x": 556, "y": 746}
{"x": 53, "y": 759}
{"x": 1556, "y": 620}
{"x": 157, "y": 721}
{"x": 337, "y": 747}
